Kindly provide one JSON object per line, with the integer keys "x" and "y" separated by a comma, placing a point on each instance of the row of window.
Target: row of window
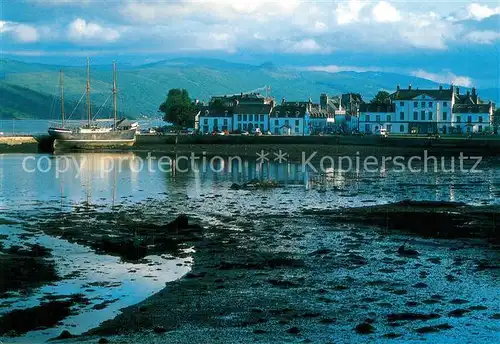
{"x": 423, "y": 104}
{"x": 423, "y": 116}
{"x": 251, "y": 118}
{"x": 402, "y": 128}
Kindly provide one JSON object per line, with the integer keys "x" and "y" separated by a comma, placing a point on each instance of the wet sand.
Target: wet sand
{"x": 308, "y": 278}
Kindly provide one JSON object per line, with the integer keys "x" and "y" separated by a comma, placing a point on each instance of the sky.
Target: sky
{"x": 444, "y": 41}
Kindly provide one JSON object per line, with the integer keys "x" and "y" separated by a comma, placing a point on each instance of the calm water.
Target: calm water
{"x": 199, "y": 192}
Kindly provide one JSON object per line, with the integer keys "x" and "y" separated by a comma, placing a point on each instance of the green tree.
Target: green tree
{"x": 381, "y": 98}
{"x": 178, "y": 109}
{"x": 496, "y": 120}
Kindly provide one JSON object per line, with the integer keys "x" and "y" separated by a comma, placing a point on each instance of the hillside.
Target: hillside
{"x": 143, "y": 88}
{"x": 18, "y": 102}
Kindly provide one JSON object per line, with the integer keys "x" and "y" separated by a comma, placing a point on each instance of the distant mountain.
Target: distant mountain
{"x": 143, "y": 88}
{"x": 17, "y": 102}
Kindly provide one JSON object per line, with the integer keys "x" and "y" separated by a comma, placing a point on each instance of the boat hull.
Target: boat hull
{"x": 89, "y": 141}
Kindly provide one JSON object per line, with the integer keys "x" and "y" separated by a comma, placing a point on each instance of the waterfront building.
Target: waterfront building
{"x": 429, "y": 111}
{"x": 291, "y": 118}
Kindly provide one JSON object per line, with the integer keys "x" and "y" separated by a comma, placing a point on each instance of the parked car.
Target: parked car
{"x": 256, "y": 132}
{"x": 384, "y": 132}
{"x": 244, "y": 133}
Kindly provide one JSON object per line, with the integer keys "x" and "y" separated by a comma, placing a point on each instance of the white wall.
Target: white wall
{"x": 209, "y": 124}
{"x": 242, "y": 121}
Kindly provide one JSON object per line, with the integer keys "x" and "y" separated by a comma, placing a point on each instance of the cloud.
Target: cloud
{"x": 80, "y": 30}
{"x": 483, "y": 37}
{"x": 348, "y": 12}
{"x": 384, "y": 12}
{"x": 306, "y": 46}
{"x": 21, "y": 33}
{"x": 480, "y": 12}
{"x": 444, "y": 78}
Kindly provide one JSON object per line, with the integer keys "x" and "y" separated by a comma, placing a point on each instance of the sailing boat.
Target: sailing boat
{"x": 92, "y": 136}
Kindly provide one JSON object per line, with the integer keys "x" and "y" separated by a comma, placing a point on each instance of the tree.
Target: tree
{"x": 496, "y": 120}
{"x": 178, "y": 109}
{"x": 381, "y": 98}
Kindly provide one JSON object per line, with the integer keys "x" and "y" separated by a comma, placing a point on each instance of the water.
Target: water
{"x": 199, "y": 192}
{"x": 37, "y": 127}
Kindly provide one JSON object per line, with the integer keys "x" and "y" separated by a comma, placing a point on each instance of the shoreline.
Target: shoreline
{"x": 180, "y": 144}
{"x": 301, "y": 281}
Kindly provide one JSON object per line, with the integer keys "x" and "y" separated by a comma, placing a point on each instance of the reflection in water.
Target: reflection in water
{"x": 112, "y": 179}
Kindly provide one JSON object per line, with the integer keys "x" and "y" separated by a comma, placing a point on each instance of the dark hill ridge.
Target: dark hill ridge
{"x": 142, "y": 88}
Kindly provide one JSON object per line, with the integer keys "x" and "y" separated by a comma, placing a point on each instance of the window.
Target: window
{"x": 459, "y": 119}
{"x": 422, "y": 115}
{"x": 262, "y": 118}
{"x": 250, "y": 118}
{"x": 445, "y": 104}
{"x": 377, "y": 118}
{"x": 389, "y": 128}
{"x": 480, "y": 128}
{"x": 297, "y": 130}
{"x": 205, "y": 121}
{"x": 423, "y": 104}
{"x": 469, "y": 119}
{"x": 389, "y": 118}
{"x": 401, "y": 103}
{"x": 480, "y": 119}
{"x": 430, "y": 104}
{"x": 402, "y": 116}
{"x": 245, "y": 118}
{"x": 445, "y": 116}
{"x": 297, "y": 122}
{"x": 415, "y": 104}
{"x": 239, "y": 118}
{"x": 245, "y": 126}
{"x": 239, "y": 126}
{"x": 367, "y": 118}
{"x": 216, "y": 122}
{"x": 401, "y": 128}
{"x": 430, "y": 116}
{"x": 276, "y": 122}
{"x": 225, "y": 121}
{"x": 367, "y": 128}
{"x": 205, "y": 128}
{"x": 286, "y": 122}
{"x": 415, "y": 115}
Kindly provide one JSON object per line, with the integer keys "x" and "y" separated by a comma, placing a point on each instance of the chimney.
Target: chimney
{"x": 440, "y": 87}
{"x": 282, "y": 101}
{"x": 398, "y": 87}
{"x": 458, "y": 91}
{"x": 409, "y": 87}
{"x": 468, "y": 93}
{"x": 474, "y": 91}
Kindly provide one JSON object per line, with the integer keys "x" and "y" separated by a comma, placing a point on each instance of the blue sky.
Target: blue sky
{"x": 448, "y": 41}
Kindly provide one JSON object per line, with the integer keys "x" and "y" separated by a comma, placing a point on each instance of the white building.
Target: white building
{"x": 250, "y": 116}
{"x": 291, "y": 118}
{"x": 214, "y": 120}
{"x": 441, "y": 111}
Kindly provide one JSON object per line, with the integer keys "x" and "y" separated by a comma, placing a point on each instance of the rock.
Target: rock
{"x": 392, "y": 335}
{"x": 103, "y": 341}
{"x": 235, "y": 186}
{"x": 181, "y": 222}
{"x": 364, "y": 328}
{"x": 411, "y": 316}
{"x": 293, "y": 330}
{"x": 427, "y": 329}
{"x": 457, "y": 313}
{"x": 420, "y": 285}
{"x": 159, "y": 329}
{"x": 64, "y": 335}
{"x": 258, "y": 331}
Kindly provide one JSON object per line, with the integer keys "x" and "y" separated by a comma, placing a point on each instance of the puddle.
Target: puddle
{"x": 106, "y": 281}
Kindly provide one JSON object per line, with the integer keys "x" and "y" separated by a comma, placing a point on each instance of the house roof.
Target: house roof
{"x": 410, "y": 94}
{"x": 319, "y": 113}
{"x": 207, "y": 111}
{"x": 370, "y": 107}
{"x": 252, "y": 109}
{"x": 287, "y": 110}
{"x": 471, "y": 108}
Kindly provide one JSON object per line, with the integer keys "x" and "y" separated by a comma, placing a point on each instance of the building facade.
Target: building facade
{"x": 440, "y": 111}
{"x": 291, "y": 118}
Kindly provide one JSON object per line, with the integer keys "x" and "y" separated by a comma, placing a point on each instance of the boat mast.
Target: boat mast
{"x": 89, "y": 111}
{"x": 61, "y": 88}
{"x": 114, "y": 95}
